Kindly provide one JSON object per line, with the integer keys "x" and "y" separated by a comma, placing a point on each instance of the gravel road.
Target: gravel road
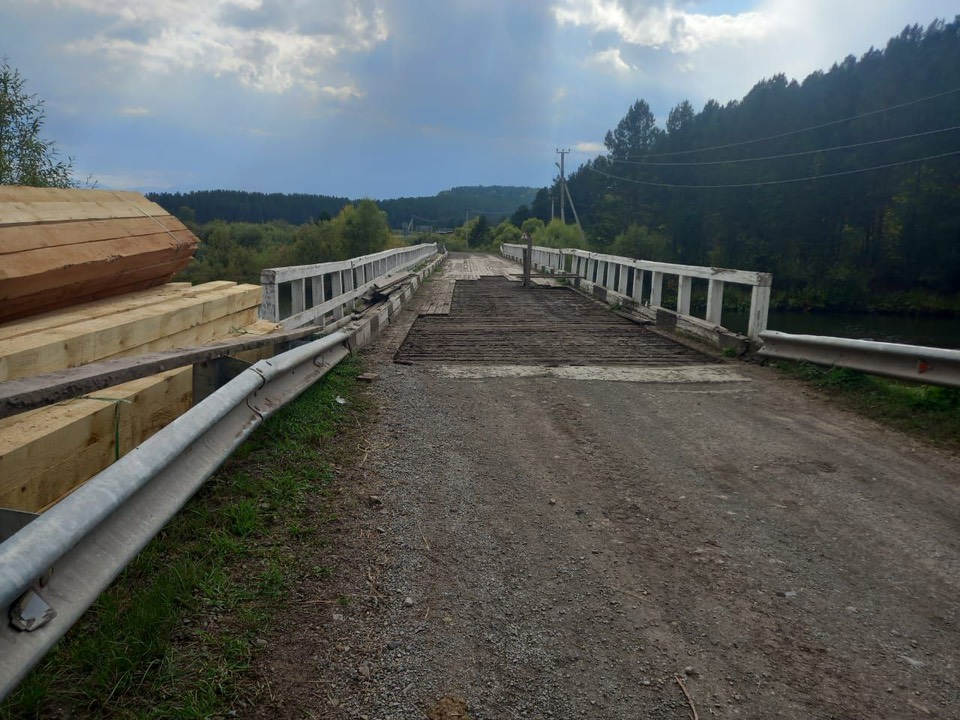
{"x": 547, "y": 547}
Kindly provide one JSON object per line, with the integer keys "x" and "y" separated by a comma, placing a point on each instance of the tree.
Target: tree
{"x": 26, "y": 158}
{"x": 479, "y": 233}
{"x": 635, "y": 134}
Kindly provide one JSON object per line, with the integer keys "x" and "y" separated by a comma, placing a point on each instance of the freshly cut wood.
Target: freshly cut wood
{"x": 47, "y": 453}
{"x": 111, "y": 306}
{"x": 149, "y": 328}
{"x": 63, "y": 247}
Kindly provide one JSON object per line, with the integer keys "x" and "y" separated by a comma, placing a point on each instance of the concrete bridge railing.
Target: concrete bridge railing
{"x": 331, "y": 288}
{"x": 624, "y": 279}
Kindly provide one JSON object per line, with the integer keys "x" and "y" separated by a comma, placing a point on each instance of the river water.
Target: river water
{"x": 931, "y": 331}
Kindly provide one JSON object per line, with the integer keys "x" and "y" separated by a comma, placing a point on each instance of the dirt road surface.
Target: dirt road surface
{"x": 590, "y": 541}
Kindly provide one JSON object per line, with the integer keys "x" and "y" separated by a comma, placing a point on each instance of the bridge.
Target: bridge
{"x": 566, "y": 511}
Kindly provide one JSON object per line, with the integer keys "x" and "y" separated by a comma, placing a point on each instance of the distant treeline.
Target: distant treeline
{"x": 449, "y": 208}
{"x": 878, "y": 227}
{"x": 238, "y": 251}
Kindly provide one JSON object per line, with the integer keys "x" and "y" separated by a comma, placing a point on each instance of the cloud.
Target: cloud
{"x": 560, "y": 94}
{"x": 268, "y": 45}
{"x": 660, "y": 24}
{"x": 136, "y": 111}
{"x": 590, "y": 148}
{"x": 611, "y": 58}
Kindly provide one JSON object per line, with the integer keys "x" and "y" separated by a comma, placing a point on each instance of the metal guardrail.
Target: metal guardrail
{"x": 934, "y": 366}
{"x": 334, "y": 286}
{"x": 92, "y": 534}
{"x": 625, "y": 278}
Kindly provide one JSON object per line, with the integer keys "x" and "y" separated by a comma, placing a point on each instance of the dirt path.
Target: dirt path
{"x": 549, "y": 547}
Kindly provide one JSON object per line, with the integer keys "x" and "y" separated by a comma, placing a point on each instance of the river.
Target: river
{"x": 940, "y": 332}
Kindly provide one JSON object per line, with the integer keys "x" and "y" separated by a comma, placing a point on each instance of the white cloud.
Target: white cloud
{"x": 137, "y": 111}
{"x": 660, "y": 24}
{"x": 590, "y": 148}
{"x": 611, "y": 58}
{"x": 560, "y": 94}
{"x": 269, "y": 45}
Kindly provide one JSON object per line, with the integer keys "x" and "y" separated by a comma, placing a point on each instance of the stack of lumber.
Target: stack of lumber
{"x": 46, "y": 453}
{"x": 63, "y": 247}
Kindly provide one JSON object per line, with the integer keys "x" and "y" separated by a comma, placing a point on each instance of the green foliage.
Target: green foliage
{"x": 506, "y": 232}
{"x": 532, "y": 226}
{"x": 558, "y": 235}
{"x": 640, "y": 242}
{"x": 239, "y": 251}
{"x": 26, "y": 158}
{"x": 930, "y": 412}
{"x": 479, "y": 233}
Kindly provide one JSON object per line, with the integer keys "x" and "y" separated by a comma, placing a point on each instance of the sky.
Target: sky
{"x": 392, "y": 98}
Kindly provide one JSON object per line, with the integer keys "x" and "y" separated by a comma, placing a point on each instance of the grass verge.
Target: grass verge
{"x": 928, "y": 412}
{"x": 174, "y": 635}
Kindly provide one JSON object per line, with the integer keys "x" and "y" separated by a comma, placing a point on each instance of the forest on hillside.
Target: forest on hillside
{"x": 446, "y": 209}
{"x": 846, "y": 186}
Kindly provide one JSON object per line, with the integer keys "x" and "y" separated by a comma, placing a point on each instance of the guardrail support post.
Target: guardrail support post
{"x": 336, "y": 291}
{"x": 638, "y": 284}
{"x": 684, "y": 288}
{"x": 269, "y": 302}
{"x": 298, "y": 296}
{"x": 759, "y": 307}
{"x": 656, "y": 289}
{"x": 714, "y": 302}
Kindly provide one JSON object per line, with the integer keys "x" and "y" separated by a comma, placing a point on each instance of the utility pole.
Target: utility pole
{"x": 563, "y": 183}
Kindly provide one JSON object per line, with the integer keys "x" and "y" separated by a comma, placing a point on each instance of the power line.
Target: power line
{"x": 777, "y": 182}
{"x": 806, "y": 129}
{"x": 786, "y": 155}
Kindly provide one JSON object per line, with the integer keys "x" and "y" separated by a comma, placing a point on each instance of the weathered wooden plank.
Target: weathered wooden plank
{"x": 47, "y": 453}
{"x": 19, "y": 238}
{"x": 232, "y": 325}
{"x": 104, "y": 337}
{"x": 29, "y": 393}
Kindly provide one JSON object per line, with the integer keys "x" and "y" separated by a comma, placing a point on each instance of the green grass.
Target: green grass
{"x": 173, "y": 637}
{"x": 928, "y": 412}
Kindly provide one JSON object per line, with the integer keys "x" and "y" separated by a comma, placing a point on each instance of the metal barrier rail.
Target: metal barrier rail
{"x": 92, "y": 534}
{"x": 934, "y": 366}
{"x": 334, "y": 285}
{"x": 625, "y": 278}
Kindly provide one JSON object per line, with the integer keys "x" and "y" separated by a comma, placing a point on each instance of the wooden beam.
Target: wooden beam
{"x": 104, "y": 337}
{"x": 109, "y": 306}
{"x": 17, "y": 238}
{"x": 47, "y": 453}
{"x": 29, "y": 393}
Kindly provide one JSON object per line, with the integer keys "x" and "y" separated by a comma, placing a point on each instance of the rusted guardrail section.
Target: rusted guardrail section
{"x": 331, "y": 288}
{"x": 625, "y": 279}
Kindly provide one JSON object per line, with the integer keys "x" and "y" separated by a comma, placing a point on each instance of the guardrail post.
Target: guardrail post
{"x": 656, "y": 289}
{"x": 298, "y": 296}
{"x": 336, "y": 290}
{"x": 759, "y": 308}
{"x": 715, "y": 302}
{"x": 684, "y": 288}
{"x": 638, "y": 284}
{"x": 622, "y": 282}
{"x": 269, "y": 302}
{"x": 317, "y": 291}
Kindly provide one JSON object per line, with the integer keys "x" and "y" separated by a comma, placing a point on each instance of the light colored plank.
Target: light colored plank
{"x": 47, "y": 453}
{"x": 19, "y": 238}
{"x": 108, "y": 306}
{"x": 105, "y": 337}
{"x": 39, "y": 205}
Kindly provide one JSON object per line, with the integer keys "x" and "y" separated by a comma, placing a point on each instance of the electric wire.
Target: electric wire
{"x": 776, "y": 182}
{"x": 785, "y": 155}
{"x": 806, "y": 129}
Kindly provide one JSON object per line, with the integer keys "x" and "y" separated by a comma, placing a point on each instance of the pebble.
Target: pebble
{"x": 787, "y": 593}
{"x": 260, "y": 642}
{"x": 691, "y": 671}
{"x": 408, "y": 601}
